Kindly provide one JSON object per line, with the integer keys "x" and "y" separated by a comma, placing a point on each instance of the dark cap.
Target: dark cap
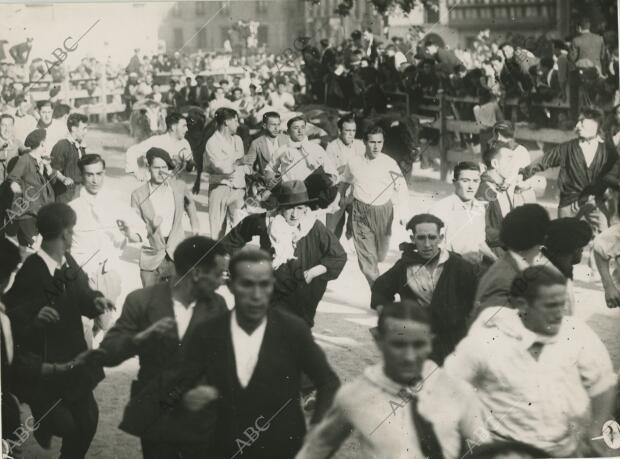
{"x": 34, "y": 139}
{"x": 155, "y": 152}
{"x": 566, "y": 235}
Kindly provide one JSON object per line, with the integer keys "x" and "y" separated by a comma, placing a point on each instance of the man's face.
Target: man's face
{"x": 405, "y": 346}
{"x": 252, "y": 287}
{"x": 272, "y": 126}
{"x": 188, "y": 82}
{"x": 466, "y": 185}
{"x": 544, "y": 313}
{"x": 586, "y": 128}
{"x": 180, "y": 129}
{"x": 92, "y": 177}
{"x": 46, "y": 114}
{"x": 79, "y": 132}
{"x": 367, "y": 36}
{"x": 159, "y": 170}
{"x": 206, "y": 282}
{"x": 237, "y": 94}
{"x": 225, "y": 87}
{"x": 504, "y": 163}
{"x": 508, "y": 51}
{"x": 297, "y": 131}
{"x": 497, "y": 65}
{"x": 293, "y": 215}
{"x": 374, "y": 145}
{"x": 219, "y": 93}
{"x": 426, "y": 239}
{"x": 281, "y": 88}
{"x": 6, "y": 128}
{"x": 432, "y": 49}
{"x": 347, "y": 133}
{"x": 67, "y": 237}
{"x": 23, "y": 107}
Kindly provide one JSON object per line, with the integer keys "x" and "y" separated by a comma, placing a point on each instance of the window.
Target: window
{"x": 178, "y": 38}
{"x": 432, "y": 14}
{"x": 200, "y": 8}
{"x": 202, "y": 38}
{"x": 263, "y": 34}
{"x": 261, "y": 7}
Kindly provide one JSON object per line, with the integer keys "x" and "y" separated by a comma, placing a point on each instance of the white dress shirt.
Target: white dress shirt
{"x": 179, "y": 150}
{"x": 277, "y": 101}
{"x": 5, "y": 323}
{"x": 297, "y": 160}
{"x": 537, "y": 400}
{"x": 589, "y": 149}
{"x": 377, "y": 181}
{"x": 182, "y": 315}
{"x": 51, "y": 264}
{"x": 23, "y": 126}
{"x": 162, "y": 199}
{"x": 342, "y": 154}
{"x": 247, "y": 348}
{"x": 57, "y": 131}
{"x": 422, "y": 280}
{"x": 219, "y": 160}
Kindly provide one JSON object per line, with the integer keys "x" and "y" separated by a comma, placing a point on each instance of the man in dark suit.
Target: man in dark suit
{"x": 253, "y": 358}
{"x": 588, "y": 45}
{"x": 66, "y": 154}
{"x": 161, "y": 202}
{"x": 155, "y": 324}
{"x": 328, "y": 56}
{"x": 188, "y": 93}
{"x": 202, "y": 92}
{"x": 45, "y": 305}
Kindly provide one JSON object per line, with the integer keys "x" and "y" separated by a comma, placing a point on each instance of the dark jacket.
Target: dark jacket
{"x": 150, "y": 392}
{"x": 65, "y": 157}
{"x": 451, "y": 303}
{"x": 36, "y": 188}
{"x": 273, "y": 394}
{"x": 60, "y": 342}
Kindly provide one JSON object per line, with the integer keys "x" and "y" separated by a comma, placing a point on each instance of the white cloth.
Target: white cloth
{"x": 23, "y": 126}
{"x": 182, "y": 315}
{"x": 536, "y": 400}
{"x": 464, "y": 223}
{"x": 284, "y": 237}
{"x": 57, "y": 131}
{"x": 342, "y": 154}
{"x": 51, "y": 264}
{"x": 297, "y": 160}
{"x": 422, "y": 280}
{"x": 96, "y": 236}
{"x": 607, "y": 244}
{"x": 219, "y": 159}
{"x": 179, "y": 150}
{"x": 277, "y": 101}
{"x": 588, "y": 148}
{"x": 162, "y": 199}
{"x": 247, "y": 348}
{"x": 377, "y": 181}
{"x": 5, "y": 323}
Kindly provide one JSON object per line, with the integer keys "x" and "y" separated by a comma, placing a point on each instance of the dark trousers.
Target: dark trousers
{"x": 336, "y": 222}
{"x": 75, "y": 421}
{"x": 161, "y": 450}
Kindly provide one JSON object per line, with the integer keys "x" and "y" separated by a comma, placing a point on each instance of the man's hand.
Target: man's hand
{"x": 612, "y": 296}
{"x": 102, "y": 304}
{"x": 47, "y": 315}
{"x": 166, "y": 327}
{"x": 67, "y": 181}
{"x": 197, "y": 398}
{"x": 16, "y": 188}
{"x": 314, "y": 272}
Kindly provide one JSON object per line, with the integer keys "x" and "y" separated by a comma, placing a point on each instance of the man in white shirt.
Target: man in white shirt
{"x": 219, "y": 101}
{"x": 378, "y": 188}
{"x": 24, "y": 123}
{"x": 281, "y": 100}
{"x": 547, "y": 376}
{"x": 463, "y": 215}
{"x": 105, "y": 223}
{"x": 58, "y": 129}
{"x": 223, "y": 160}
{"x": 300, "y": 157}
{"x": 404, "y": 406}
{"x": 173, "y": 141}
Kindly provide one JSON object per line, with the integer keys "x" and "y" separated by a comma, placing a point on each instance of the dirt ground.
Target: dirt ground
{"x": 343, "y": 319}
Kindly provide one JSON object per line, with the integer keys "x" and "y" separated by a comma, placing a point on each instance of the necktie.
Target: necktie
{"x": 429, "y": 444}
{"x": 60, "y": 280}
{"x": 536, "y": 349}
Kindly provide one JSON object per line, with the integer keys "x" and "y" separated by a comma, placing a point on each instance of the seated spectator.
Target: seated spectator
{"x": 499, "y": 187}
{"x": 409, "y": 379}
{"x": 548, "y": 377}
{"x": 487, "y": 114}
{"x": 281, "y": 100}
{"x": 523, "y": 233}
{"x": 438, "y": 279}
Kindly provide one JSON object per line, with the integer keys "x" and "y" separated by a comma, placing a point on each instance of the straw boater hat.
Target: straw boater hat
{"x": 291, "y": 194}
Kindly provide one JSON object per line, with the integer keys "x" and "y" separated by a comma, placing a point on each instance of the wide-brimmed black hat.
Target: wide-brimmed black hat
{"x": 291, "y": 194}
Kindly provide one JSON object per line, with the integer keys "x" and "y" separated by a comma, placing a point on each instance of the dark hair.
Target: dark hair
{"x": 492, "y": 151}
{"x": 248, "y": 254}
{"x": 592, "y": 113}
{"x": 559, "y": 44}
{"x": 268, "y": 115}
{"x": 294, "y": 119}
{"x": 405, "y": 310}
{"x": 237, "y": 89}
{"x": 9, "y": 260}
{"x": 498, "y": 448}
{"x": 7, "y": 116}
{"x": 224, "y": 81}
{"x": 19, "y": 99}
{"x": 524, "y": 227}
{"x": 224, "y": 114}
{"x": 75, "y": 119}
{"x": 546, "y": 62}
{"x": 584, "y": 23}
{"x": 505, "y": 128}
{"x": 43, "y": 103}
{"x": 506, "y": 43}
{"x": 465, "y": 166}
{"x": 346, "y": 119}
{"x": 53, "y": 219}
{"x": 196, "y": 252}
{"x": 61, "y": 110}
{"x": 527, "y": 283}
{"x": 373, "y": 130}
{"x": 424, "y": 218}
{"x": 88, "y": 159}
{"x": 172, "y": 119}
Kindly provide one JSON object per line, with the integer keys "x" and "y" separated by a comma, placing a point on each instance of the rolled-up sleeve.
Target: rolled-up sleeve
{"x": 594, "y": 363}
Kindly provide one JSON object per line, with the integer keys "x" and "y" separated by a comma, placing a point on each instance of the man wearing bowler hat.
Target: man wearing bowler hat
{"x": 161, "y": 202}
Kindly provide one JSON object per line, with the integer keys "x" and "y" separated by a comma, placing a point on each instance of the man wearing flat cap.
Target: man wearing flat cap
{"x": 161, "y": 203}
